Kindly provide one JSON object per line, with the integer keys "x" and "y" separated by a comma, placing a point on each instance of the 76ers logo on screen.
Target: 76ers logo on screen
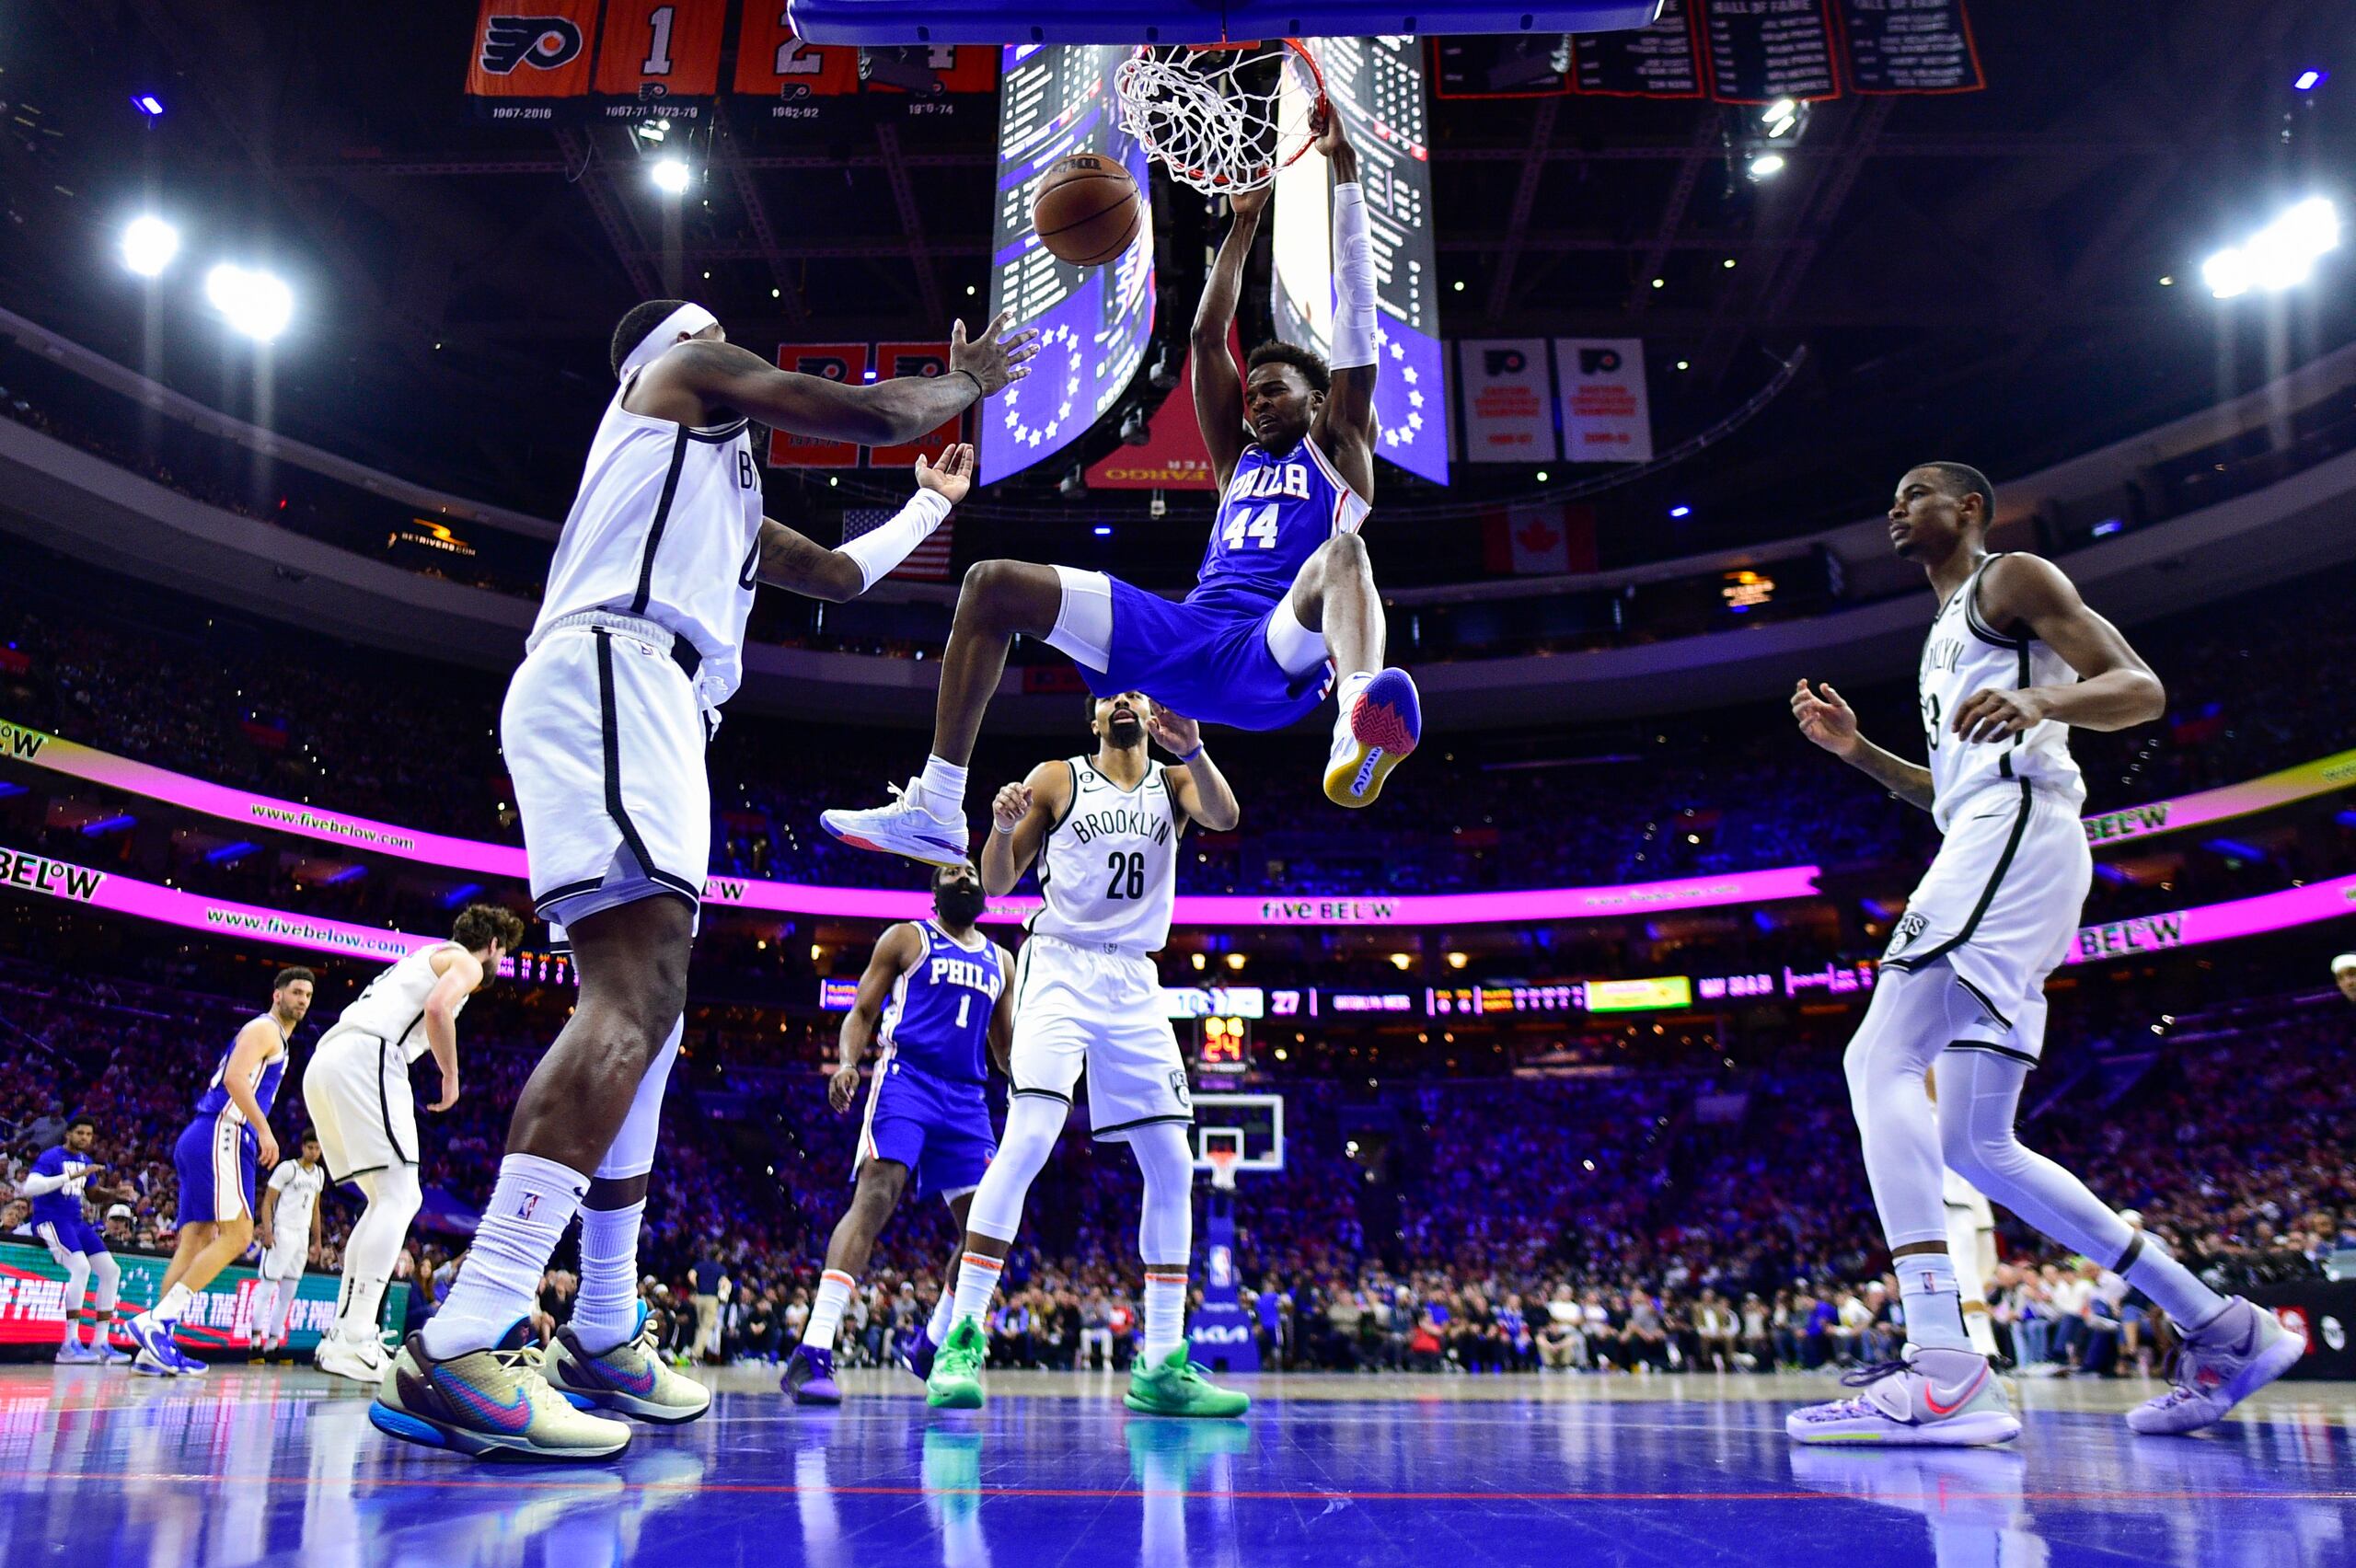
{"x": 542, "y": 42}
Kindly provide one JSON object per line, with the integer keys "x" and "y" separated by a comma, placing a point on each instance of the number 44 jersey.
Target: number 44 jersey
{"x": 1109, "y": 871}
{"x": 1276, "y": 513}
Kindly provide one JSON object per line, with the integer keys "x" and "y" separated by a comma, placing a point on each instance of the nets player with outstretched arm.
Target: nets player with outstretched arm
{"x": 1285, "y": 603}
{"x": 214, "y": 1159}
{"x": 639, "y": 642}
{"x": 935, "y": 999}
{"x": 1104, "y": 830}
{"x": 58, "y": 1182}
{"x": 2014, "y": 659}
{"x": 356, "y": 1088}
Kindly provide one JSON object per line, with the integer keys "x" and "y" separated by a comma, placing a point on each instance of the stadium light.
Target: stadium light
{"x": 2279, "y": 256}
{"x": 1680, "y": 510}
{"x": 671, "y": 175}
{"x": 1781, "y": 117}
{"x": 254, "y": 302}
{"x": 2309, "y": 80}
{"x": 151, "y": 105}
{"x": 148, "y": 244}
{"x": 1766, "y": 164}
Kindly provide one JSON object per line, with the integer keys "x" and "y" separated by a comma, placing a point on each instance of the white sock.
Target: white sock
{"x": 943, "y": 787}
{"x": 976, "y": 1281}
{"x": 827, "y": 1315}
{"x": 1933, "y": 1307}
{"x": 1165, "y": 1312}
{"x": 174, "y": 1303}
{"x": 2175, "y": 1288}
{"x": 1346, "y": 694}
{"x": 499, "y": 1282}
{"x": 364, "y": 1298}
{"x": 605, "y": 1312}
{"x": 944, "y": 1317}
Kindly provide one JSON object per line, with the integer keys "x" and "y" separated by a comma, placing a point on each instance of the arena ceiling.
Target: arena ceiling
{"x": 1975, "y": 276}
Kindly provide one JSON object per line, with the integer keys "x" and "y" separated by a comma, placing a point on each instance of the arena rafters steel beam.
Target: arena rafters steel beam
{"x": 1704, "y": 150}
{"x": 796, "y": 309}
{"x": 903, "y": 196}
{"x": 621, "y": 234}
{"x": 1525, "y": 197}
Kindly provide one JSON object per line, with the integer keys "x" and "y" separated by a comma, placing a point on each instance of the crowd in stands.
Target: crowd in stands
{"x": 305, "y": 719}
{"x": 1671, "y": 1220}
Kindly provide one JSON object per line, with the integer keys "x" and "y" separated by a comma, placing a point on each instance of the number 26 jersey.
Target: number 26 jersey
{"x": 1109, "y": 870}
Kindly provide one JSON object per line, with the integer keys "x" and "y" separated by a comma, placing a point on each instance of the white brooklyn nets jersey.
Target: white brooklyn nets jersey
{"x": 1963, "y": 655}
{"x": 392, "y": 1008}
{"x": 1109, "y": 870}
{"x": 667, "y": 526}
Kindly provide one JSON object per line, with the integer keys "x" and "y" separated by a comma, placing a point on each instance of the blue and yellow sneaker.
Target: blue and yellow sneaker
{"x": 629, "y": 1380}
{"x": 495, "y": 1404}
{"x": 1379, "y": 725}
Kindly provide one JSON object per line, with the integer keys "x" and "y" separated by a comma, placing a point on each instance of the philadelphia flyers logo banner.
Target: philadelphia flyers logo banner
{"x": 530, "y": 57}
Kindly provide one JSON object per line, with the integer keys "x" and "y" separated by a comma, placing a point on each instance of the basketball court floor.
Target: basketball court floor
{"x": 262, "y": 1468}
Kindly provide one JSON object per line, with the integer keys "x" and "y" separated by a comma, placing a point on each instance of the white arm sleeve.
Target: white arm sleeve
{"x": 878, "y": 550}
{"x": 41, "y": 1186}
{"x": 1353, "y": 280}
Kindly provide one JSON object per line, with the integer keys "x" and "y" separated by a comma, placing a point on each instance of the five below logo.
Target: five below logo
{"x": 541, "y": 42}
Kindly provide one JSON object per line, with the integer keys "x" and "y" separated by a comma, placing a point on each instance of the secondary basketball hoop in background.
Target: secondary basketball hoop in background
{"x": 1223, "y": 1164}
{"x": 1222, "y": 117}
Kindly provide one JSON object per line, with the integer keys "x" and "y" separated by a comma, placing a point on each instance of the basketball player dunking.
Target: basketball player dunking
{"x": 1104, "y": 830}
{"x": 638, "y": 643}
{"x": 1285, "y": 600}
{"x": 935, "y": 996}
{"x": 2014, "y": 659}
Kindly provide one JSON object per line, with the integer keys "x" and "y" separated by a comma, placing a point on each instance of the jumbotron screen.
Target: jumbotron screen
{"x": 1093, "y": 322}
{"x": 1377, "y": 85}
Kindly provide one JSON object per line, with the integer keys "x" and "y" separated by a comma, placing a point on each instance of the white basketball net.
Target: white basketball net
{"x": 1220, "y": 120}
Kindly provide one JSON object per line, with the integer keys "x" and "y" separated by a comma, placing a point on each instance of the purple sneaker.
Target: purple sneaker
{"x": 810, "y": 1377}
{"x": 918, "y": 1357}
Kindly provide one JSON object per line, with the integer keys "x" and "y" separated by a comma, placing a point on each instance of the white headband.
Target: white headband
{"x": 689, "y": 319}
{"x": 2344, "y": 961}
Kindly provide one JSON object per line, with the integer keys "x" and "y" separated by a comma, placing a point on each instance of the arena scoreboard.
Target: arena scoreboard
{"x": 1377, "y": 86}
{"x": 1093, "y": 322}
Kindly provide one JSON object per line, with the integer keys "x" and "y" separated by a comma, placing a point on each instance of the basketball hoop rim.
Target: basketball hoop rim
{"x": 1323, "y": 105}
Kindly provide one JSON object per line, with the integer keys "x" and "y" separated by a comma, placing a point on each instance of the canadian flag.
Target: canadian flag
{"x": 1547, "y": 539}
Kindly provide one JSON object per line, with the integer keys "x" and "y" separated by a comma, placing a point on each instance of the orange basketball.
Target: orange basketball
{"x": 1088, "y": 210}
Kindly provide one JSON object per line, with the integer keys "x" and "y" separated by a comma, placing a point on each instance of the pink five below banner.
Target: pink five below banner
{"x": 1607, "y": 417}
{"x": 1508, "y": 400}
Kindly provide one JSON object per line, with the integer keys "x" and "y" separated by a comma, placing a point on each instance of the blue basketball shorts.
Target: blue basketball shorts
{"x": 64, "y": 1236}
{"x": 940, "y": 1130}
{"x": 1206, "y": 659}
{"x": 215, "y": 1158}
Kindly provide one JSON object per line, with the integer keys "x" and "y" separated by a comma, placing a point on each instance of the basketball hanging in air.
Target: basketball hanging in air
{"x": 1089, "y": 210}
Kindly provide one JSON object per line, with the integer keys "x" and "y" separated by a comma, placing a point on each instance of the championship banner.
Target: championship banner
{"x": 1661, "y": 61}
{"x": 914, "y": 359}
{"x": 33, "y": 1306}
{"x": 1909, "y": 46}
{"x": 529, "y": 59}
{"x": 1762, "y": 51}
{"x": 1506, "y": 392}
{"x": 929, "y": 83}
{"x": 846, "y": 362}
{"x": 782, "y": 79}
{"x": 1606, "y": 415}
{"x": 659, "y": 59}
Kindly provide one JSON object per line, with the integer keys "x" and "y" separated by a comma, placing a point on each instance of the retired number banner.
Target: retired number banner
{"x": 529, "y": 59}
{"x": 659, "y": 59}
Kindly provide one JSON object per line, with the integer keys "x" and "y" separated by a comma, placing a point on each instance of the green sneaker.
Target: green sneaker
{"x": 956, "y": 1380}
{"x": 1181, "y": 1387}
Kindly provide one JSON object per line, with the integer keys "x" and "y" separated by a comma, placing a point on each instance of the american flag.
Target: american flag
{"x": 928, "y": 562}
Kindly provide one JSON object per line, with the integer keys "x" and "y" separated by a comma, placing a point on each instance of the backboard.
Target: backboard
{"x": 876, "y": 23}
{"x": 1252, "y": 1123}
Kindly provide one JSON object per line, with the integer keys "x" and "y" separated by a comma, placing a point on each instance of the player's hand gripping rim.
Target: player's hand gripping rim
{"x": 993, "y": 362}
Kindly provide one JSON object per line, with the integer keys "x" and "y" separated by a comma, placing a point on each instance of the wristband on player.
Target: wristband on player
{"x": 1008, "y": 831}
{"x": 1188, "y": 760}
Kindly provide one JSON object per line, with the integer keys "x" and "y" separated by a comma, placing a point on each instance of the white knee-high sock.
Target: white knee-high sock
{"x": 944, "y": 1317}
{"x": 108, "y": 1276}
{"x": 1165, "y": 1311}
{"x": 500, "y": 1283}
{"x": 827, "y": 1312}
{"x": 1907, "y": 1024}
{"x": 77, "y": 1274}
{"x": 1927, "y": 1288}
{"x": 605, "y": 1312}
{"x": 373, "y": 1248}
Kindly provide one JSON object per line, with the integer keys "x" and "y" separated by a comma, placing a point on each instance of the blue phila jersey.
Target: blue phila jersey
{"x": 1276, "y": 513}
{"x": 215, "y": 1098}
{"x": 938, "y": 1019}
{"x": 66, "y": 1204}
